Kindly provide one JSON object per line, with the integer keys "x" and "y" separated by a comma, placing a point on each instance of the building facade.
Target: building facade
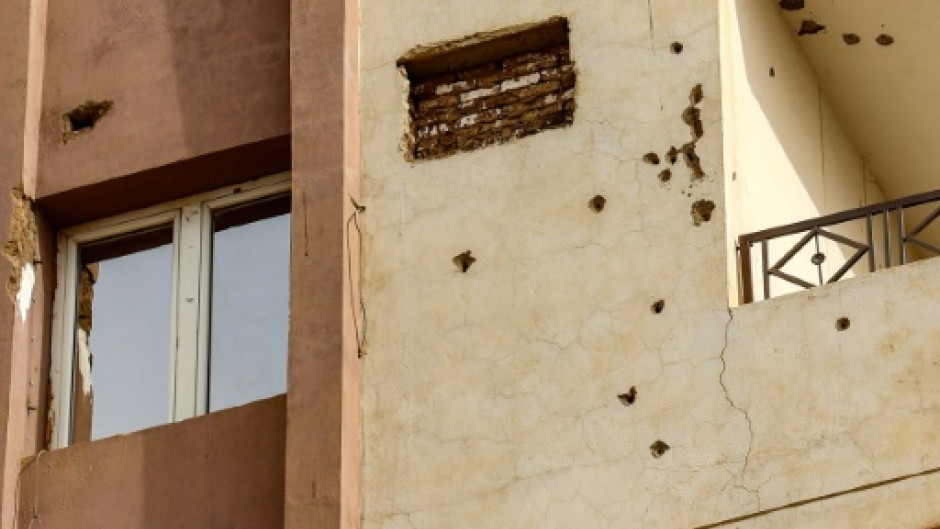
{"x": 529, "y": 246}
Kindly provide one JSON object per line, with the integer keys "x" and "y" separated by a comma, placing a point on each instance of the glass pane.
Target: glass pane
{"x": 250, "y": 285}
{"x": 122, "y": 342}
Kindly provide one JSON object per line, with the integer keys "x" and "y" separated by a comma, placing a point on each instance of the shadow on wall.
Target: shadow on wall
{"x": 233, "y": 52}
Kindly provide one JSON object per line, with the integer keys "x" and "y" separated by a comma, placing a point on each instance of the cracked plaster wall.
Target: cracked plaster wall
{"x": 490, "y": 398}
{"x": 838, "y": 410}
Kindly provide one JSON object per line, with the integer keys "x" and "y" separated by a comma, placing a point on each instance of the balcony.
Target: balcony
{"x": 833, "y": 247}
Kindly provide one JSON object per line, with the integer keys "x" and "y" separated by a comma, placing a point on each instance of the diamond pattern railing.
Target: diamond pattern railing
{"x": 892, "y": 246}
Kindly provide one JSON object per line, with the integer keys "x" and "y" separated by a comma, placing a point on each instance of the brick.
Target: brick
{"x": 492, "y": 103}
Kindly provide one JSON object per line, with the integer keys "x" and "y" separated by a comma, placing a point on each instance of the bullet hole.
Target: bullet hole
{"x": 810, "y": 27}
{"x": 651, "y": 158}
{"x": 693, "y": 118}
{"x": 628, "y": 398}
{"x": 851, "y": 38}
{"x": 696, "y": 95}
{"x": 792, "y": 5}
{"x": 885, "y": 39}
{"x": 673, "y": 155}
{"x": 702, "y": 211}
{"x": 597, "y": 204}
{"x": 464, "y": 261}
{"x": 676, "y": 47}
{"x": 692, "y": 160}
{"x": 843, "y": 324}
{"x": 84, "y": 118}
{"x": 773, "y": 73}
{"x": 665, "y": 175}
{"x": 658, "y": 449}
{"x": 658, "y": 307}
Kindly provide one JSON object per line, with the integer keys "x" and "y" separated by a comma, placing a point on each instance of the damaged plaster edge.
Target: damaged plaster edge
{"x": 24, "y": 297}
{"x": 21, "y": 245}
{"x": 555, "y": 26}
{"x": 84, "y": 361}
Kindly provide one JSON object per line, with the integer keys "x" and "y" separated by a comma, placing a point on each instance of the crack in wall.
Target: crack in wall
{"x": 727, "y": 394}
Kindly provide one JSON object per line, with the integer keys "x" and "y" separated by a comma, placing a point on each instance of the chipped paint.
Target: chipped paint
{"x": 24, "y": 297}
{"x": 84, "y": 361}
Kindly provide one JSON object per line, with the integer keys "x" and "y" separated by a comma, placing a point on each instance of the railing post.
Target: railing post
{"x": 902, "y": 237}
{"x": 765, "y": 266}
{"x": 886, "y": 222}
{"x": 747, "y": 280}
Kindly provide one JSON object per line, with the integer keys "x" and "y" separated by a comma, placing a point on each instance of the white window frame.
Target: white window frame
{"x": 191, "y": 219}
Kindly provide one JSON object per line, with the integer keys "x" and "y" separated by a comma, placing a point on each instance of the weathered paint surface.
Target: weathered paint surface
{"x": 533, "y": 386}
{"x": 832, "y": 410}
{"x": 491, "y": 397}
{"x": 185, "y": 79}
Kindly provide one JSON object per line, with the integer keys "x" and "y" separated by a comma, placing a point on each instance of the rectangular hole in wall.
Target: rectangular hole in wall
{"x": 488, "y": 88}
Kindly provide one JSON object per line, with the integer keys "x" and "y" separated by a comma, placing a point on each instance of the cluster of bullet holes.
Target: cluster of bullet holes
{"x": 811, "y": 27}
{"x": 83, "y": 118}
{"x": 659, "y": 448}
{"x": 843, "y": 324}
{"x": 464, "y": 261}
{"x": 692, "y": 117}
{"x": 597, "y": 203}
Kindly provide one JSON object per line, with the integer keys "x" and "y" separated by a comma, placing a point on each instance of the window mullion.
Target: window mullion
{"x": 64, "y": 336}
{"x": 205, "y": 293}
{"x": 188, "y": 313}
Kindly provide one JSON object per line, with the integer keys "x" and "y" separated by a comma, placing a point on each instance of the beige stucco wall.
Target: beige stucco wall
{"x": 829, "y": 410}
{"x": 788, "y": 157}
{"x": 489, "y": 399}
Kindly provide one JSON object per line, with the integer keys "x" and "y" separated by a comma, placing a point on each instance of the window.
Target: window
{"x": 171, "y": 312}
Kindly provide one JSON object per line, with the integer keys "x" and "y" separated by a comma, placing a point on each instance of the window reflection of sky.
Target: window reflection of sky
{"x": 250, "y": 289}
{"x": 130, "y": 342}
{"x": 249, "y": 321}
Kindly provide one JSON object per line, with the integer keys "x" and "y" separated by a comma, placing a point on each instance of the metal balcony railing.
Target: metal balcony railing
{"x": 889, "y": 217}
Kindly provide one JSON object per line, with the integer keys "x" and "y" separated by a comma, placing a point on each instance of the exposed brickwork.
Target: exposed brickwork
{"x": 497, "y": 101}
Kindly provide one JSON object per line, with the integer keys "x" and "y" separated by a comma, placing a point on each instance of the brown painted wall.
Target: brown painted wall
{"x": 322, "y": 479}
{"x": 224, "y": 470}
{"x": 14, "y": 60}
{"x": 186, "y": 78}
{"x": 201, "y": 97}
